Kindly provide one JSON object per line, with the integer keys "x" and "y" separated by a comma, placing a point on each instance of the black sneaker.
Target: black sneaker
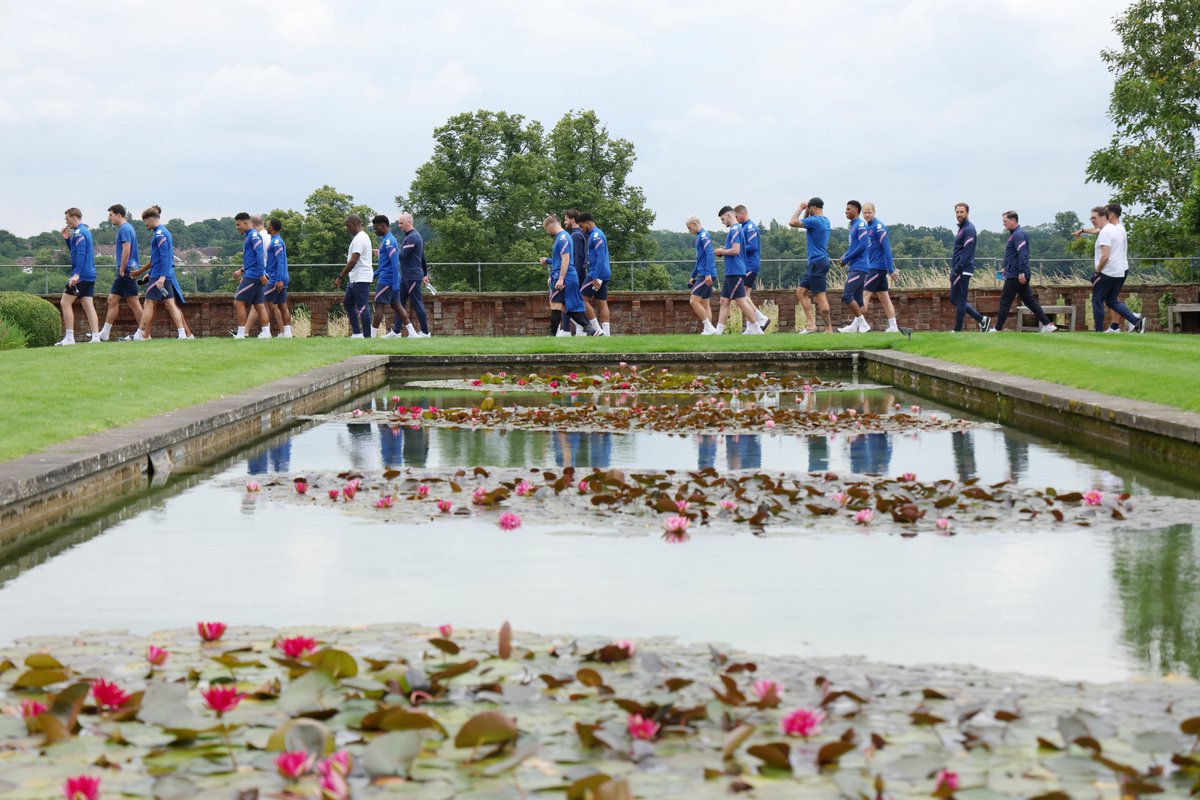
{"x": 985, "y": 324}
{"x": 1141, "y": 326}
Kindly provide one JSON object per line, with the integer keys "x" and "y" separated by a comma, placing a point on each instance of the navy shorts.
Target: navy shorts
{"x": 410, "y": 290}
{"x": 557, "y": 295}
{"x": 276, "y": 296}
{"x": 124, "y": 287}
{"x": 751, "y": 278}
{"x": 702, "y": 290}
{"x": 877, "y": 281}
{"x": 250, "y": 291}
{"x": 158, "y": 295}
{"x": 733, "y": 287}
{"x": 81, "y": 289}
{"x": 852, "y": 291}
{"x": 589, "y": 290}
{"x": 816, "y": 278}
{"x": 383, "y": 295}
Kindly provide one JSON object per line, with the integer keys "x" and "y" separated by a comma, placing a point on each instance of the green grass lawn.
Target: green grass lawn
{"x": 50, "y": 395}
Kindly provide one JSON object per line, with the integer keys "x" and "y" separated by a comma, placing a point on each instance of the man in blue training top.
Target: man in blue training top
{"x": 856, "y": 262}
{"x": 595, "y": 291}
{"x": 1016, "y": 276}
{"x": 413, "y": 275}
{"x": 163, "y": 287}
{"x": 813, "y": 285}
{"x": 703, "y": 275}
{"x": 278, "y": 278}
{"x": 753, "y": 244}
{"x": 566, "y": 303}
{"x": 253, "y": 274}
{"x": 733, "y": 286}
{"x": 123, "y": 285}
{"x": 962, "y": 267}
{"x": 82, "y": 283}
{"x": 387, "y": 282}
{"x": 579, "y": 261}
{"x": 880, "y": 265}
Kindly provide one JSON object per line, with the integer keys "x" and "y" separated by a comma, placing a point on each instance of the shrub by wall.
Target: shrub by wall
{"x": 40, "y": 321}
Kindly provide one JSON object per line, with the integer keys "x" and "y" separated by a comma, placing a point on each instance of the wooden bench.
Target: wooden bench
{"x": 1053, "y": 312}
{"x": 1175, "y": 315}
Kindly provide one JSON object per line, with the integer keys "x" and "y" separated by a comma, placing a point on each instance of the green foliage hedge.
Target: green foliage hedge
{"x": 39, "y": 320}
{"x": 11, "y": 337}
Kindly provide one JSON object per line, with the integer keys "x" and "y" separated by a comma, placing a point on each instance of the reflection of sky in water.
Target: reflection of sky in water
{"x": 1072, "y": 602}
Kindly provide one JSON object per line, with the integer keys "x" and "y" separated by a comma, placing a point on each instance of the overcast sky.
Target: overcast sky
{"x": 208, "y": 108}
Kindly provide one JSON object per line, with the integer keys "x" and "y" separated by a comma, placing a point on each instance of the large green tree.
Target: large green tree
{"x": 1155, "y": 106}
{"x": 323, "y": 239}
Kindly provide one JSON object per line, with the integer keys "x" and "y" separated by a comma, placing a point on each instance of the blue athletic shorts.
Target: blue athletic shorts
{"x": 384, "y": 294}
{"x": 703, "y": 290}
{"x": 877, "y": 281}
{"x": 733, "y": 287}
{"x": 751, "y": 279}
{"x": 81, "y": 289}
{"x": 158, "y": 295}
{"x": 276, "y": 296}
{"x": 853, "y": 288}
{"x": 124, "y": 287}
{"x": 816, "y": 278}
{"x": 556, "y": 295}
{"x": 250, "y": 291}
{"x": 589, "y": 290}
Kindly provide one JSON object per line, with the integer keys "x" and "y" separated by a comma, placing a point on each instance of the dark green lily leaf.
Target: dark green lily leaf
{"x": 490, "y": 727}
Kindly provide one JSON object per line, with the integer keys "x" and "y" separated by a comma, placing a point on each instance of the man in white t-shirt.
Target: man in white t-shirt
{"x": 1111, "y": 267}
{"x": 357, "y": 300}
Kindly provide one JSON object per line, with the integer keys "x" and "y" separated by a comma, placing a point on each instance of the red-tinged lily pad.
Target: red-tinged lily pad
{"x": 774, "y": 755}
{"x": 446, "y": 646}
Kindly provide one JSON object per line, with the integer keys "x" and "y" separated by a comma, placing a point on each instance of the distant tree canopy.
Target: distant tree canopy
{"x": 494, "y": 177}
{"x": 1152, "y": 159}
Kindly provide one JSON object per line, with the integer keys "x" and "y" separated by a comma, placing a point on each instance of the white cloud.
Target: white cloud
{"x": 208, "y": 108}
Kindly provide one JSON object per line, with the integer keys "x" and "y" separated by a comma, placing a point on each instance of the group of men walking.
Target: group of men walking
{"x": 580, "y": 274}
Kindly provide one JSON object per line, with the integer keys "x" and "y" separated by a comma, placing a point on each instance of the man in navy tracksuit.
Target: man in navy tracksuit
{"x": 962, "y": 267}
{"x": 412, "y": 273}
{"x": 856, "y": 262}
{"x": 1016, "y": 276}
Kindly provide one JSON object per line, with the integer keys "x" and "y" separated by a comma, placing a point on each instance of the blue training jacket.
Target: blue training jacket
{"x": 412, "y": 257}
{"x": 856, "y": 256}
{"x": 598, "y": 266}
{"x": 706, "y": 262}
{"x": 750, "y": 244}
{"x": 879, "y": 249}
{"x": 83, "y": 253}
{"x": 277, "y": 269}
{"x": 1016, "y": 254}
{"x": 254, "y": 264}
{"x": 389, "y": 262}
{"x": 963, "y": 259}
{"x": 162, "y": 255}
{"x": 735, "y": 265}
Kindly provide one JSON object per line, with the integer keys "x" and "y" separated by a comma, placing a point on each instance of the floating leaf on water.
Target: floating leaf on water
{"x": 392, "y": 754}
{"x": 490, "y": 727}
{"x": 735, "y": 739}
{"x": 831, "y": 753}
{"x": 335, "y": 663}
{"x": 42, "y": 661}
{"x": 445, "y": 645}
{"x": 775, "y": 755}
{"x": 173, "y": 786}
{"x": 454, "y": 670}
{"x": 40, "y": 678}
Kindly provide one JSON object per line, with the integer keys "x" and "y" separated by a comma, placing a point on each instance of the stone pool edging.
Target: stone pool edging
{"x": 51, "y": 486}
{"x": 1163, "y": 435}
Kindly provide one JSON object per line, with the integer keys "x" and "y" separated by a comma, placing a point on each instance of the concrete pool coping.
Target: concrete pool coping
{"x": 68, "y": 479}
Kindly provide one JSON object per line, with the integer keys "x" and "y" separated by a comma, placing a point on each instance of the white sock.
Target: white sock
{"x": 594, "y": 324}
{"x": 69, "y": 336}
{"x": 411, "y": 330}
{"x": 106, "y": 330}
{"x": 762, "y": 319}
{"x": 891, "y": 322}
{"x": 720, "y": 328}
{"x": 138, "y": 336}
{"x": 241, "y": 330}
{"x": 287, "y": 330}
{"x": 181, "y": 332}
{"x": 860, "y": 319}
{"x": 605, "y": 325}
{"x": 708, "y": 326}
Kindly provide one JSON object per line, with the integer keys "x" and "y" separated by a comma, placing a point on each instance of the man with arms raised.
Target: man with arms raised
{"x": 811, "y": 217}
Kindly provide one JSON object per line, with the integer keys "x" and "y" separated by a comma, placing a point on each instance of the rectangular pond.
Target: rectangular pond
{"x": 1098, "y": 603}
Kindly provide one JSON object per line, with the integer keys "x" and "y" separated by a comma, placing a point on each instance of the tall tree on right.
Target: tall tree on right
{"x": 1155, "y": 105}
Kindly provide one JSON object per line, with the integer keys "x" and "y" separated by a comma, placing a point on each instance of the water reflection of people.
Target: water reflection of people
{"x": 566, "y": 447}
{"x": 707, "y": 447}
{"x": 743, "y": 451}
{"x": 272, "y": 459}
{"x": 416, "y": 445}
{"x": 391, "y": 443}
{"x": 1018, "y": 457}
{"x": 818, "y": 454}
{"x": 600, "y": 449}
{"x": 963, "y": 445}
{"x": 358, "y": 444}
{"x": 871, "y": 452}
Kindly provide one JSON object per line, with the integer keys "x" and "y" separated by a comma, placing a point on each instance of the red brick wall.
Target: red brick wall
{"x": 636, "y": 312}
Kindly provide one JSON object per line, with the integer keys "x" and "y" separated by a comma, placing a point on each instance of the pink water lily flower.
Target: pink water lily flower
{"x": 477, "y": 382}
{"x": 628, "y": 646}
{"x": 524, "y": 489}
{"x": 641, "y": 728}
{"x": 583, "y": 487}
{"x": 444, "y": 505}
{"x": 446, "y": 630}
{"x": 32, "y": 708}
{"x": 802, "y": 722}
{"x": 553, "y": 384}
{"x": 253, "y": 486}
{"x": 510, "y": 521}
{"x": 81, "y": 787}
{"x": 573, "y": 376}
{"x": 1093, "y": 498}
{"x": 349, "y": 490}
{"x": 769, "y": 424}
{"x": 947, "y": 781}
{"x": 334, "y": 771}
{"x": 833, "y": 417}
{"x": 293, "y": 764}
{"x": 864, "y": 516}
{"x": 221, "y": 698}
{"x": 503, "y": 374}
{"x": 728, "y": 505}
{"x": 109, "y": 695}
{"x": 839, "y": 497}
{"x": 766, "y": 688}
{"x": 479, "y": 496}
{"x": 682, "y": 505}
{"x": 157, "y": 656}
{"x": 916, "y": 409}
{"x": 297, "y": 646}
{"x": 301, "y": 487}
{"x": 908, "y": 477}
{"x": 423, "y": 491}
{"x": 677, "y": 525}
{"x": 334, "y": 494}
{"x": 210, "y": 631}
{"x": 943, "y": 525}
{"x": 387, "y": 501}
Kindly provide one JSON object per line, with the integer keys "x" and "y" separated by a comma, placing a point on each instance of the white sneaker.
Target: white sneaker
{"x": 1114, "y": 330}
{"x": 390, "y": 335}
{"x": 423, "y": 335}
{"x": 864, "y": 326}
{"x": 708, "y": 332}
{"x": 264, "y": 334}
{"x": 1051, "y": 328}
{"x": 239, "y": 336}
{"x": 561, "y": 334}
{"x": 851, "y": 328}
{"x": 356, "y": 336}
{"x": 994, "y": 330}
{"x": 754, "y": 330}
{"x": 601, "y": 332}
{"x": 891, "y": 329}
{"x": 285, "y": 336}
{"x": 94, "y": 338}
{"x": 64, "y": 343}
{"x": 191, "y": 337}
